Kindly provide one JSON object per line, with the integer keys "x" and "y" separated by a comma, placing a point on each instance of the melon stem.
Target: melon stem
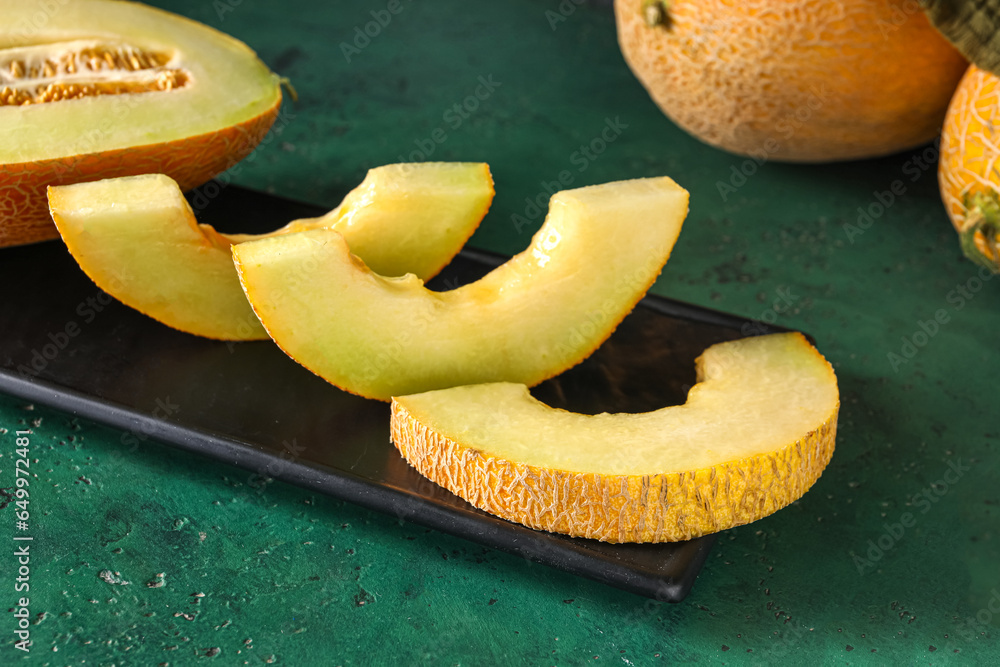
{"x": 982, "y": 216}
{"x": 286, "y": 83}
{"x": 657, "y": 13}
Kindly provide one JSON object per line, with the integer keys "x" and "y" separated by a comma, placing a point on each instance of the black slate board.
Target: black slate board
{"x": 249, "y": 405}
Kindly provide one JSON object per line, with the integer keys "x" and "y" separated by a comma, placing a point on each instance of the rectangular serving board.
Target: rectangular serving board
{"x": 242, "y": 401}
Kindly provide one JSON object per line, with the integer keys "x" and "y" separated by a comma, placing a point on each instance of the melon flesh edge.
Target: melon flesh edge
{"x": 229, "y": 85}
{"x": 543, "y": 311}
{"x": 407, "y": 218}
{"x": 753, "y": 436}
{"x": 199, "y": 102}
{"x": 137, "y": 238}
{"x": 753, "y": 396}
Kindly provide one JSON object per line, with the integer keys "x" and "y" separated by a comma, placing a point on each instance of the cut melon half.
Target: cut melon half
{"x": 137, "y": 238}
{"x": 754, "y": 435}
{"x": 93, "y": 89}
{"x": 541, "y": 312}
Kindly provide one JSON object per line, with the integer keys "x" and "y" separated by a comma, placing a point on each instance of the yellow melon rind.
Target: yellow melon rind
{"x": 618, "y": 508}
{"x": 223, "y": 105}
{"x": 967, "y": 175}
{"x": 193, "y": 161}
{"x": 620, "y": 478}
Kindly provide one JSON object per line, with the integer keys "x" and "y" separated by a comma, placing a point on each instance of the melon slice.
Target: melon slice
{"x": 755, "y": 433}
{"x": 137, "y": 238}
{"x": 544, "y": 310}
{"x": 93, "y": 89}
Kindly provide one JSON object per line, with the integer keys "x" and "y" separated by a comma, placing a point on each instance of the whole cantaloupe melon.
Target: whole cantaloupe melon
{"x": 793, "y": 80}
{"x": 967, "y": 172}
{"x": 970, "y": 140}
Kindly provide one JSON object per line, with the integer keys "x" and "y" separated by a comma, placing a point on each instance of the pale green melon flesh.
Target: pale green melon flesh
{"x": 543, "y": 311}
{"x": 410, "y": 217}
{"x": 138, "y": 239}
{"x": 754, "y": 396}
{"x": 229, "y": 84}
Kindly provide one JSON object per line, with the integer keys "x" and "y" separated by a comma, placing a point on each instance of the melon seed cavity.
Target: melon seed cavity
{"x": 83, "y": 68}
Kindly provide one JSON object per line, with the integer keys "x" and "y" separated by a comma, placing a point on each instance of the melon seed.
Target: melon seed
{"x": 83, "y": 68}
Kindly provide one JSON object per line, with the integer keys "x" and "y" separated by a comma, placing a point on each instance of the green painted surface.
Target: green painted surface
{"x": 288, "y": 577}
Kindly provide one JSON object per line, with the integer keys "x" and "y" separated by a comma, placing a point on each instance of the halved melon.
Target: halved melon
{"x": 546, "y": 309}
{"x": 92, "y": 89}
{"x": 754, "y": 435}
{"x": 137, "y": 238}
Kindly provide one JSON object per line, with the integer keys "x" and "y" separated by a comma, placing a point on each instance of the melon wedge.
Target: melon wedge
{"x": 544, "y": 310}
{"x": 92, "y": 89}
{"x": 137, "y": 238}
{"x": 755, "y": 433}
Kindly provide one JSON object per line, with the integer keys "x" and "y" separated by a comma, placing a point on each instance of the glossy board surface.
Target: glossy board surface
{"x": 250, "y": 405}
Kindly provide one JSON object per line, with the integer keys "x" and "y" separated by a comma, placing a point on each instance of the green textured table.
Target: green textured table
{"x": 162, "y": 557}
